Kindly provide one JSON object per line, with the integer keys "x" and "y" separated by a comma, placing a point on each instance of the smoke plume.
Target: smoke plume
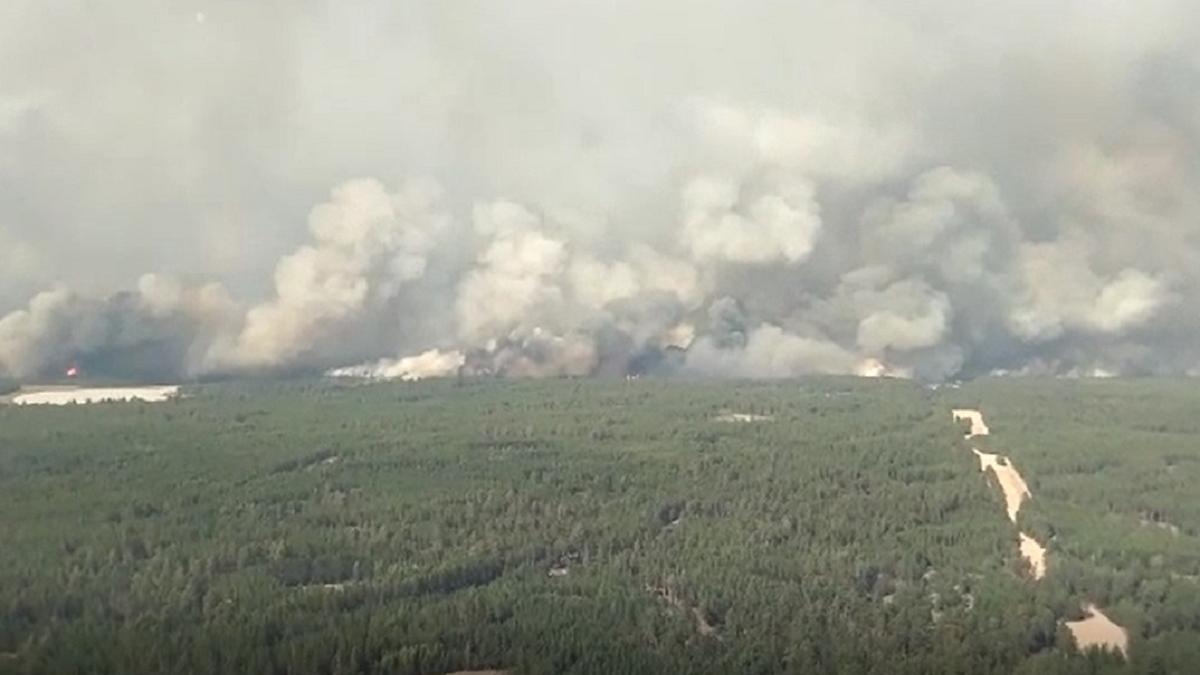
{"x": 740, "y": 189}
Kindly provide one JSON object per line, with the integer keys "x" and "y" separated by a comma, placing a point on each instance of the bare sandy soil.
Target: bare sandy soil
{"x": 69, "y": 395}
{"x": 978, "y": 427}
{"x": 1011, "y": 483}
{"x": 1099, "y": 631}
{"x": 11, "y": 398}
{"x": 1035, "y": 554}
{"x": 743, "y": 417}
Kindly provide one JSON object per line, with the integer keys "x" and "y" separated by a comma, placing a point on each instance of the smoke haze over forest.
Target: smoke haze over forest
{"x": 931, "y": 189}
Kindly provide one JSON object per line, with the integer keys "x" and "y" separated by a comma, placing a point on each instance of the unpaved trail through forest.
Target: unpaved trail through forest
{"x": 1035, "y": 553}
{"x": 1016, "y": 491}
{"x": 1011, "y": 483}
{"x": 1097, "y": 630}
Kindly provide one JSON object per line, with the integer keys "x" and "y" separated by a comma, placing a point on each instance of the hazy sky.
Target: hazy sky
{"x": 939, "y": 187}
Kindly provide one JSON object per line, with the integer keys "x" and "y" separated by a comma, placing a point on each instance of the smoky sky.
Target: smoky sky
{"x": 933, "y": 189}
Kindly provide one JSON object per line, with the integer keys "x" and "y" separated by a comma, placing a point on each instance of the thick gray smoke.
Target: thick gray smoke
{"x": 930, "y": 189}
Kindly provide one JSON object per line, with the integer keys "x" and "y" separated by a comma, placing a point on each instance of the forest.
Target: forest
{"x": 571, "y": 526}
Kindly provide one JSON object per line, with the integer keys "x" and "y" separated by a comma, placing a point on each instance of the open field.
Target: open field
{"x": 593, "y": 526}
{"x": 68, "y": 395}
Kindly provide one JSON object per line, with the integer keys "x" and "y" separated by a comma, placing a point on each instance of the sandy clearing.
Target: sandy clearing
{"x": 978, "y": 427}
{"x": 1097, "y": 630}
{"x": 1035, "y": 554}
{"x": 1011, "y": 483}
{"x": 743, "y": 417}
{"x": 35, "y": 389}
{"x": 66, "y": 396}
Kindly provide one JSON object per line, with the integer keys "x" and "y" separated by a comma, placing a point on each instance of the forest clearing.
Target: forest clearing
{"x": 1097, "y": 630}
{"x": 68, "y": 395}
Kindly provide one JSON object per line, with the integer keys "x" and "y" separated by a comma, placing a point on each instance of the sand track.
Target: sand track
{"x": 1097, "y": 630}
{"x": 1035, "y": 554}
{"x": 1015, "y": 490}
{"x": 1012, "y": 484}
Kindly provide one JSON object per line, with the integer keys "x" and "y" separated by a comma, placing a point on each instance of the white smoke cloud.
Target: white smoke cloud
{"x": 662, "y": 273}
{"x": 723, "y": 223}
{"x": 516, "y": 277}
{"x": 22, "y": 267}
{"x": 163, "y": 327}
{"x": 936, "y": 190}
{"x": 905, "y": 316}
{"x": 771, "y": 352}
{"x": 535, "y": 353}
{"x": 1130, "y": 299}
{"x": 163, "y": 296}
{"x": 18, "y": 259}
{"x": 30, "y": 337}
{"x": 1062, "y": 294}
{"x": 596, "y": 283}
{"x": 845, "y": 149}
{"x": 367, "y": 243}
{"x": 427, "y": 364}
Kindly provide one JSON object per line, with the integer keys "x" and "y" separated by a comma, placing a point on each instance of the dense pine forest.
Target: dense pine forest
{"x": 825, "y": 525}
